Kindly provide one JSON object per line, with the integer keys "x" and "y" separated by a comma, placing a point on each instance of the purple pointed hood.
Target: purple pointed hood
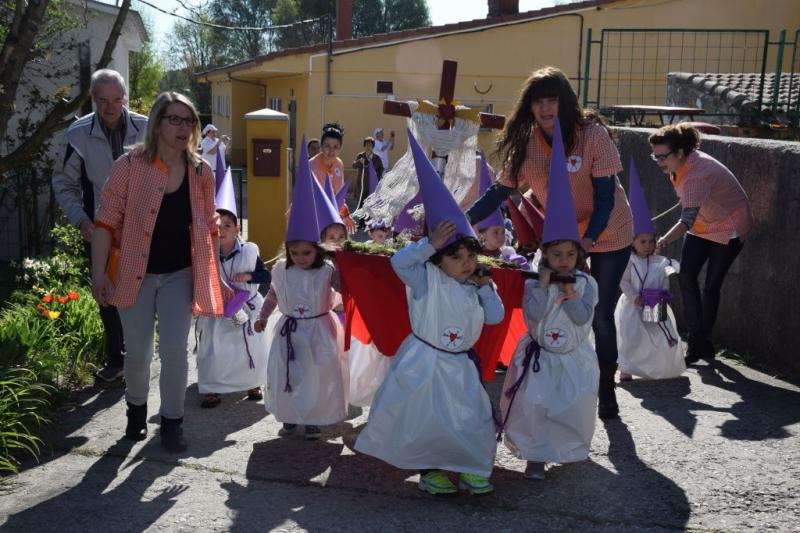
{"x": 560, "y": 219}
{"x": 303, "y": 225}
{"x": 642, "y": 222}
{"x": 327, "y": 213}
{"x": 496, "y": 218}
{"x": 226, "y": 199}
{"x": 329, "y": 189}
{"x": 439, "y": 202}
{"x": 220, "y": 171}
{"x": 342, "y": 194}
{"x": 373, "y": 176}
{"x": 404, "y": 221}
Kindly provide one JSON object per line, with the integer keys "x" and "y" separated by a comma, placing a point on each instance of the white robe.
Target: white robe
{"x": 318, "y": 375}
{"x": 223, "y": 363}
{"x": 432, "y": 412}
{"x": 644, "y": 349}
{"x": 552, "y": 418}
{"x": 368, "y": 369}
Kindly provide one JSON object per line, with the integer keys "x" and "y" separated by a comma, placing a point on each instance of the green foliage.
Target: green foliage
{"x": 240, "y": 45}
{"x": 23, "y": 407}
{"x": 55, "y": 337}
{"x": 406, "y": 14}
{"x": 67, "y": 266}
{"x": 50, "y": 330}
{"x": 145, "y": 73}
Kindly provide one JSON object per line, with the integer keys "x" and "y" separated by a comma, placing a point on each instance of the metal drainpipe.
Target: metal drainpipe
{"x": 330, "y": 56}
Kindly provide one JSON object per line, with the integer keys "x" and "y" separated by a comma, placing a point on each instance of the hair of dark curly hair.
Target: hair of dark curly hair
{"x": 547, "y": 82}
{"x": 470, "y": 243}
{"x": 677, "y": 137}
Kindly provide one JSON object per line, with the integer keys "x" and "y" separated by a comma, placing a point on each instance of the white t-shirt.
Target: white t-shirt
{"x": 382, "y": 149}
{"x": 207, "y": 144}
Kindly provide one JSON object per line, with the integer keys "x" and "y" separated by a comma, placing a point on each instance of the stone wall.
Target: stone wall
{"x": 760, "y": 309}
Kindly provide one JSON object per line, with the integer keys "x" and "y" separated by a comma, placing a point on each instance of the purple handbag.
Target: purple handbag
{"x": 654, "y": 305}
{"x": 232, "y": 306}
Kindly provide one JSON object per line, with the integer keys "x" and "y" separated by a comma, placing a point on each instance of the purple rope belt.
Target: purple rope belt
{"x": 289, "y": 327}
{"x": 532, "y": 353}
{"x": 476, "y": 360}
{"x": 247, "y": 331}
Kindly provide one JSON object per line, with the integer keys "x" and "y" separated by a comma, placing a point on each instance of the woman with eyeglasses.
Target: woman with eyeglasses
{"x": 715, "y": 220}
{"x": 604, "y": 215}
{"x": 158, "y": 210}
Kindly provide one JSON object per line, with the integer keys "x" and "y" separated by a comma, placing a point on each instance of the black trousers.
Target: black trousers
{"x": 115, "y": 343}
{"x": 699, "y": 310}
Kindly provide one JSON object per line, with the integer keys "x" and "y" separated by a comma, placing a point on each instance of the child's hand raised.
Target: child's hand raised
{"x": 544, "y": 276}
{"x": 482, "y": 276}
{"x": 438, "y": 237}
{"x": 568, "y": 289}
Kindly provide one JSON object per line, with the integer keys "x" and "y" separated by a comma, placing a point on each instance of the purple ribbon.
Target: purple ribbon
{"x": 652, "y": 297}
{"x": 476, "y": 360}
{"x": 532, "y": 353}
{"x": 289, "y": 327}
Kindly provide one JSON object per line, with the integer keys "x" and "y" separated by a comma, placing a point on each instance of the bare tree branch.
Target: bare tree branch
{"x": 17, "y": 50}
{"x": 55, "y": 119}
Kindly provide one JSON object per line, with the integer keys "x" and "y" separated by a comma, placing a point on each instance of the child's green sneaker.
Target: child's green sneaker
{"x": 437, "y": 483}
{"x": 475, "y": 485}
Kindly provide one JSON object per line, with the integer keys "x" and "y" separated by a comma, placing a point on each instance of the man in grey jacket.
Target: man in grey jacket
{"x": 91, "y": 145}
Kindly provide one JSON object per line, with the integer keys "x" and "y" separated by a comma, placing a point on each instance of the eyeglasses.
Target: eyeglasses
{"x": 660, "y": 158}
{"x": 175, "y": 120}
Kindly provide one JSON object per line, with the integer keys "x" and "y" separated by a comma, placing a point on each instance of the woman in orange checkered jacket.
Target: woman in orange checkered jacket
{"x": 158, "y": 204}
{"x": 604, "y": 215}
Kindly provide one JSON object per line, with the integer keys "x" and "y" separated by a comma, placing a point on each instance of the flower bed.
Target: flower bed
{"x": 50, "y": 334}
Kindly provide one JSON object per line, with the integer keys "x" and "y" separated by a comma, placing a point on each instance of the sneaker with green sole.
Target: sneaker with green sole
{"x": 475, "y": 485}
{"x": 437, "y": 483}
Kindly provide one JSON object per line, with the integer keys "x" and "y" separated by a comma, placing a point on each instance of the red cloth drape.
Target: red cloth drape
{"x": 376, "y": 309}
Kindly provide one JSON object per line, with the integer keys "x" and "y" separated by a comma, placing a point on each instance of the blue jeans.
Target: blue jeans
{"x": 607, "y": 270}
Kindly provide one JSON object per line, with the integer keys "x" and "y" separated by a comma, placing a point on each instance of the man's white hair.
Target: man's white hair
{"x": 108, "y": 76}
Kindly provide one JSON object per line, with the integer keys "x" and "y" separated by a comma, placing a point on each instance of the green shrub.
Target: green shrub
{"x": 23, "y": 407}
{"x": 53, "y": 335}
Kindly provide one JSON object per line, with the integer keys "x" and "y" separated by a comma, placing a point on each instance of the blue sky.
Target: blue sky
{"x": 442, "y": 11}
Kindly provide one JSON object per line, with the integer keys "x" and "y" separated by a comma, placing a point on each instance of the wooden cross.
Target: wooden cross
{"x": 446, "y": 109}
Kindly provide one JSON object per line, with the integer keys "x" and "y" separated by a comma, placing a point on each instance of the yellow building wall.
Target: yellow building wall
{"x": 495, "y": 61}
{"x": 247, "y": 97}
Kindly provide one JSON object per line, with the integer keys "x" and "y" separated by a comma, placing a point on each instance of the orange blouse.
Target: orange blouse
{"x": 593, "y": 156}
{"x": 706, "y": 183}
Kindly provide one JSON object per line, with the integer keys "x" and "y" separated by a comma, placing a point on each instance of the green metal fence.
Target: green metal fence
{"x": 632, "y": 66}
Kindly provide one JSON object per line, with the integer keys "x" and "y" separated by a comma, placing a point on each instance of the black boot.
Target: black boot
{"x": 607, "y": 407}
{"x": 137, "y": 422}
{"x": 698, "y": 347}
{"x": 172, "y": 435}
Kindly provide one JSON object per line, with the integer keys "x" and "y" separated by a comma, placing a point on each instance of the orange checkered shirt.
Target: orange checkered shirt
{"x": 593, "y": 156}
{"x": 129, "y": 204}
{"x": 706, "y": 183}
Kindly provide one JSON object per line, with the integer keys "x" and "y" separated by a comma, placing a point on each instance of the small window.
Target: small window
{"x": 276, "y": 103}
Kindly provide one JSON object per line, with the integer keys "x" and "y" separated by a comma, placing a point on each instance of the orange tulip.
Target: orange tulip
{"x": 63, "y": 299}
{"x": 47, "y": 298}
{"x": 73, "y": 295}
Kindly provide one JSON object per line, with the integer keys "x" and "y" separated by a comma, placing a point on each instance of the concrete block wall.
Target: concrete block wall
{"x": 760, "y": 307}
